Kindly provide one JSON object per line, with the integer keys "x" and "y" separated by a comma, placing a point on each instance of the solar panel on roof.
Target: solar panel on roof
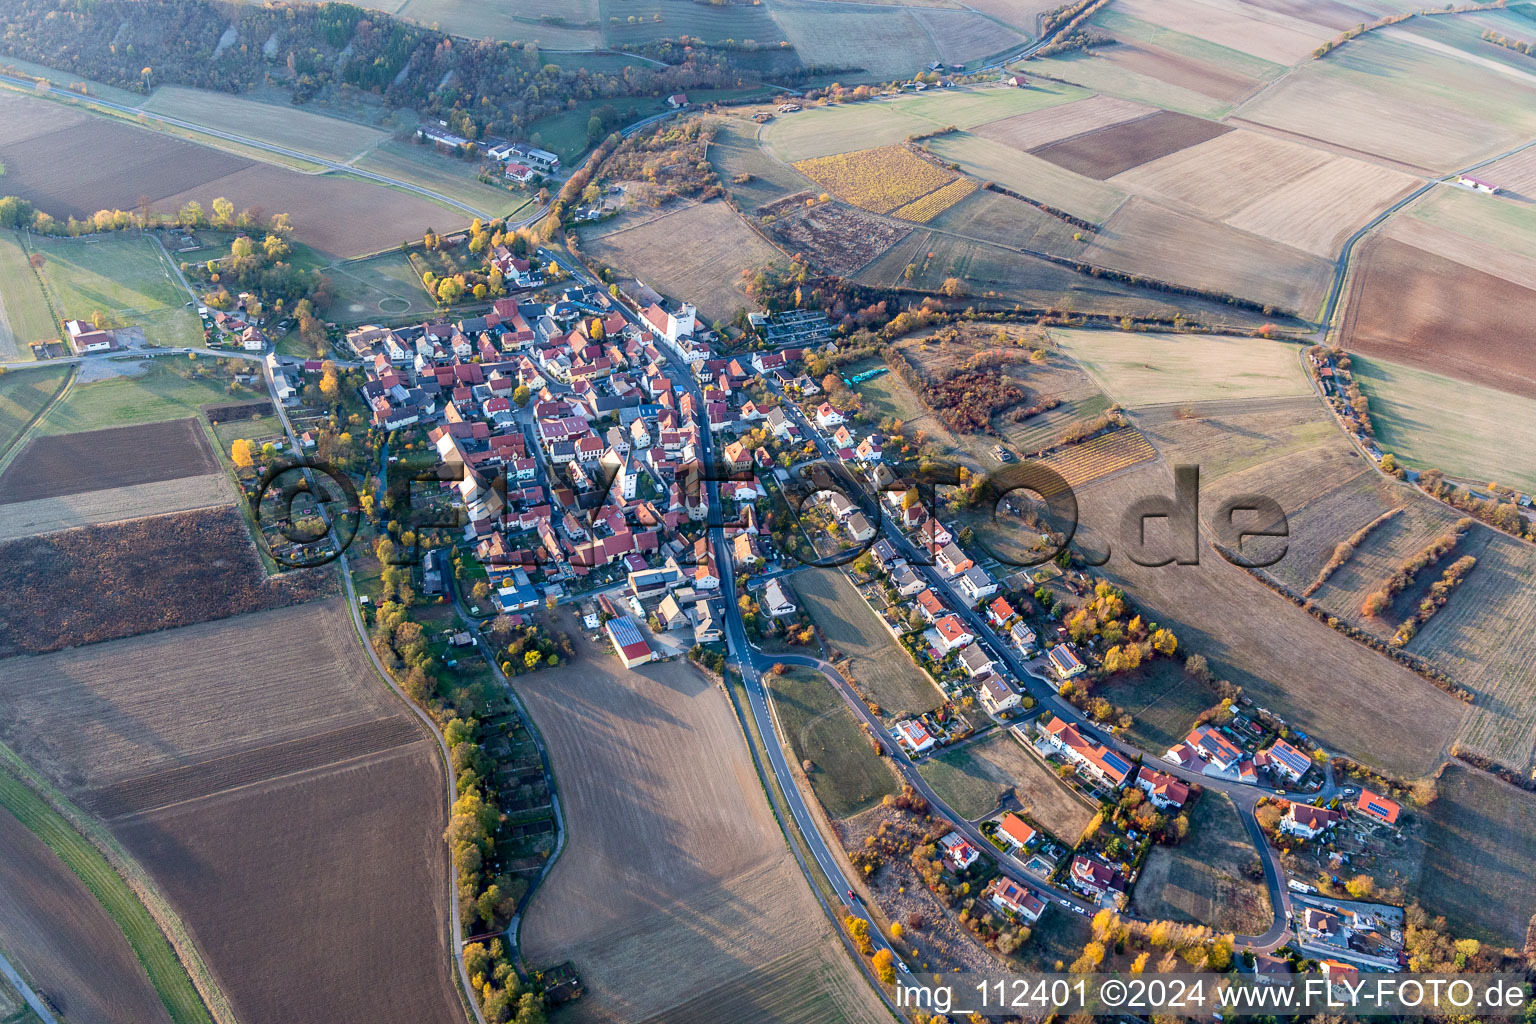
{"x": 1116, "y": 762}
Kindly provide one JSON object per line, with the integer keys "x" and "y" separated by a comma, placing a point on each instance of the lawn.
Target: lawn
{"x": 1428, "y": 420}
{"x": 565, "y": 133}
{"x": 846, "y": 775}
{"x": 296, "y": 128}
{"x": 1206, "y": 879}
{"x": 1157, "y": 369}
{"x": 1162, "y": 699}
{"x": 24, "y": 313}
{"x": 24, "y": 394}
{"x": 125, "y": 276}
{"x": 880, "y": 667}
{"x": 149, "y": 944}
{"x": 165, "y": 390}
{"x": 381, "y": 287}
{"x": 456, "y": 179}
{"x": 975, "y": 777}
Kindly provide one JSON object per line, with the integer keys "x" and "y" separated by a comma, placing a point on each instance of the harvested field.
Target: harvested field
{"x": 850, "y": 630}
{"x": 1388, "y": 97}
{"x": 110, "y": 505}
{"x": 1466, "y": 243}
{"x": 508, "y": 19}
{"x": 64, "y": 464}
{"x": 1269, "y": 35}
{"x": 1505, "y": 224}
{"x": 736, "y": 151}
{"x": 24, "y": 394}
{"x": 848, "y": 776}
{"x": 966, "y": 35}
{"x": 885, "y": 42}
{"x": 1208, "y": 79}
{"x": 261, "y": 835}
{"x": 1414, "y": 307}
{"x": 661, "y": 798}
{"x": 837, "y": 238}
{"x": 878, "y": 180}
{"x": 975, "y": 777}
{"x": 63, "y": 938}
{"x": 456, "y": 179}
{"x": 707, "y": 271}
{"x": 1025, "y": 132}
{"x": 1213, "y": 877}
{"x": 284, "y": 124}
{"x": 1485, "y": 639}
{"x": 332, "y": 212}
{"x": 1004, "y": 220}
{"x": 1156, "y": 369}
{"x": 828, "y": 130}
{"x": 966, "y": 108}
{"x": 103, "y": 582}
{"x": 1099, "y": 72}
{"x": 1294, "y": 194}
{"x": 1226, "y": 438}
{"x": 1482, "y": 842}
{"x": 1282, "y": 657}
{"x": 1029, "y": 175}
{"x": 1163, "y": 700}
{"x": 1151, "y": 240}
{"x": 1470, "y": 438}
{"x": 1319, "y": 526}
{"x": 1516, "y": 173}
{"x": 1106, "y": 152}
{"x": 1108, "y": 453}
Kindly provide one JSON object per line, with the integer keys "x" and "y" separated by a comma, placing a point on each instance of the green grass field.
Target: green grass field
{"x": 566, "y": 132}
{"x": 23, "y": 307}
{"x": 149, "y": 944}
{"x": 126, "y": 277}
{"x": 880, "y": 667}
{"x": 164, "y": 391}
{"x": 1470, "y": 436}
{"x": 506, "y": 19}
{"x": 454, "y": 178}
{"x": 296, "y": 128}
{"x": 1160, "y": 369}
{"x": 23, "y": 394}
{"x": 378, "y": 288}
{"x": 848, "y": 776}
{"x": 1162, "y": 700}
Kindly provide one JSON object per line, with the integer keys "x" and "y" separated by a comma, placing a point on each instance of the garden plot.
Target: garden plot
{"x": 835, "y": 237}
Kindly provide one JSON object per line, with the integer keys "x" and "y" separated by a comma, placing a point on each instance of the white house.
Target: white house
{"x": 776, "y": 601}
{"x": 1006, "y": 894}
{"x": 952, "y": 634}
{"x": 975, "y": 584}
{"x": 860, "y": 528}
{"x": 828, "y": 417}
{"x": 996, "y": 695}
{"x": 959, "y": 850}
{"x": 975, "y": 661}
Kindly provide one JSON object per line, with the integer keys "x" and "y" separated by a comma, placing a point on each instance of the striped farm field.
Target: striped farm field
{"x": 923, "y": 210}
{"x": 879, "y": 180}
{"x": 1108, "y": 453}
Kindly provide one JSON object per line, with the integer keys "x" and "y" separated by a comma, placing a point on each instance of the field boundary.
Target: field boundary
{"x": 188, "y": 990}
{"x": 9, "y": 453}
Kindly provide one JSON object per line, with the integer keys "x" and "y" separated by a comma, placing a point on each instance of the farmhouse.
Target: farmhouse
{"x": 1065, "y": 662}
{"x": 520, "y": 173}
{"x": 1373, "y": 805}
{"x": 1016, "y": 832}
{"x": 629, "y": 642}
{"x": 85, "y": 339}
{"x": 1095, "y": 760}
{"x": 1008, "y": 895}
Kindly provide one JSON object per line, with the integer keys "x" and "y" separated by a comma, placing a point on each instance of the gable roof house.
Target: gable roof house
{"x": 1093, "y": 759}
{"x": 952, "y": 634}
{"x": 1307, "y": 821}
{"x": 975, "y": 584}
{"x": 1010, "y": 896}
{"x": 952, "y": 561}
{"x": 1165, "y": 791}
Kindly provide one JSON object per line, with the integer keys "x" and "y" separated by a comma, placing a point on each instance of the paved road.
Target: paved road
{"x": 1244, "y": 796}
{"x": 31, "y": 998}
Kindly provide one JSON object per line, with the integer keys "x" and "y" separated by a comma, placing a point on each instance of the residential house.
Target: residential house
{"x": 1373, "y": 805}
{"x": 1307, "y": 821}
{"x": 860, "y": 528}
{"x": 1097, "y": 879}
{"x": 1214, "y": 748}
{"x": 1015, "y": 832}
{"x": 1286, "y": 760}
{"x": 671, "y": 613}
{"x": 959, "y": 850}
{"x": 952, "y": 634}
{"x": 1011, "y": 897}
{"x": 975, "y": 584}
{"x": 975, "y": 661}
{"x": 1065, "y": 661}
{"x": 913, "y": 736}
{"x": 906, "y": 581}
{"x": 706, "y": 624}
{"x": 1095, "y": 760}
{"x": 1022, "y": 637}
{"x": 952, "y": 561}
{"x": 828, "y": 417}
{"x": 999, "y": 612}
{"x": 929, "y": 605}
{"x": 996, "y": 695}
{"x": 1166, "y": 792}
{"x": 776, "y": 600}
